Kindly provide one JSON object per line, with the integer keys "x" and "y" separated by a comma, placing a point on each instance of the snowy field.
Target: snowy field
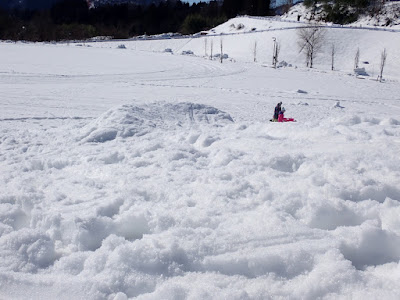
{"x": 133, "y": 173}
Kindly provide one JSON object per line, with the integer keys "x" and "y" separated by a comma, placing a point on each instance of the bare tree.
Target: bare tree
{"x": 287, "y": 5}
{"x": 205, "y": 47}
{"x": 222, "y": 53}
{"x": 333, "y": 52}
{"x": 310, "y": 41}
{"x": 211, "y": 46}
{"x": 383, "y": 61}
{"x": 255, "y": 51}
{"x": 275, "y": 52}
{"x": 357, "y": 59}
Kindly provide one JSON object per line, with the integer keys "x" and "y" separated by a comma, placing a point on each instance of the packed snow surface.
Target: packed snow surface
{"x": 134, "y": 173}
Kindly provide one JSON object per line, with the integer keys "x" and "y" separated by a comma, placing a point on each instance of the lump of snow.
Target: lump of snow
{"x": 224, "y": 56}
{"x": 369, "y": 245}
{"x": 112, "y": 158}
{"x": 287, "y": 163}
{"x": 100, "y": 38}
{"x": 121, "y": 296}
{"x": 329, "y": 216}
{"x": 301, "y": 92}
{"x": 187, "y": 52}
{"x": 360, "y": 72}
{"x": 27, "y": 250}
{"x": 394, "y": 122}
{"x": 303, "y": 103}
{"x": 102, "y": 135}
{"x": 239, "y": 26}
{"x": 349, "y": 121}
{"x": 284, "y": 64}
{"x": 130, "y": 120}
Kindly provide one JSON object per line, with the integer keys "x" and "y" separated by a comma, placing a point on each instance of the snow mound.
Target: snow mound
{"x": 27, "y": 250}
{"x": 131, "y": 120}
{"x": 369, "y": 245}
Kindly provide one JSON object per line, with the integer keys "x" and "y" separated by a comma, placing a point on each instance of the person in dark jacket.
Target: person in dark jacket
{"x": 277, "y": 111}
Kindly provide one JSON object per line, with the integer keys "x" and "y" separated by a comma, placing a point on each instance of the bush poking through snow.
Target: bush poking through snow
{"x": 187, "y": 52}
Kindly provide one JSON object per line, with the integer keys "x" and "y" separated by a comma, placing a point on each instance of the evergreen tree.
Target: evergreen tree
{"x": 232, "y": 7}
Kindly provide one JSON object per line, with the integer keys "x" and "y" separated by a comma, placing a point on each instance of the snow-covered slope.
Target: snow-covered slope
{"x": 133, "y": 173}
{"x": 242, "y": 35}
{"x": 129, "y": 120}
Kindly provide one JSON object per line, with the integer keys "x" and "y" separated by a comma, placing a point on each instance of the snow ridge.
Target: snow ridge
{"x": 130, "y": 120}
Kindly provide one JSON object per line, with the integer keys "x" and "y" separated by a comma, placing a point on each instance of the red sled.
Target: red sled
{"x": 283, "y": 120}
{"x": 288, "y": 120}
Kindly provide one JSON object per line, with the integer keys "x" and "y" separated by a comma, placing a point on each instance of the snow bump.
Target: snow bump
{"x": 287, "y": 163}
{"x": 369, "y": 245}
{"x": 131, "y": 120}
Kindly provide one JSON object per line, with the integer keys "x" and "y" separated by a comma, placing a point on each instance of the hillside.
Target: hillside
{"x": 370, "y": 41}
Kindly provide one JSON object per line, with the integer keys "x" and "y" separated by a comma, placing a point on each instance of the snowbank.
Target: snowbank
{"x": 129, "y": 120}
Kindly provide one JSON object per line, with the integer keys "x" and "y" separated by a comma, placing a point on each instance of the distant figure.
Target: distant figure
{"x": 298, "y": 18}
{"x": 281, "y": 116}
{"x": 277, "y": 111}
{"x": 337, "y": 105}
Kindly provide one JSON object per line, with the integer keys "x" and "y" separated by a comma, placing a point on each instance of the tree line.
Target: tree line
{"x": 74, "y": 20}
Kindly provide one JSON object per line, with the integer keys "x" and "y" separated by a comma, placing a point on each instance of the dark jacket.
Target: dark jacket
{"x": 277, "y": 111}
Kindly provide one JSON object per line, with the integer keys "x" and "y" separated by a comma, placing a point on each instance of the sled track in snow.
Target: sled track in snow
{"x": 43, "y": 118}
{"x": 185, "y": 71}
